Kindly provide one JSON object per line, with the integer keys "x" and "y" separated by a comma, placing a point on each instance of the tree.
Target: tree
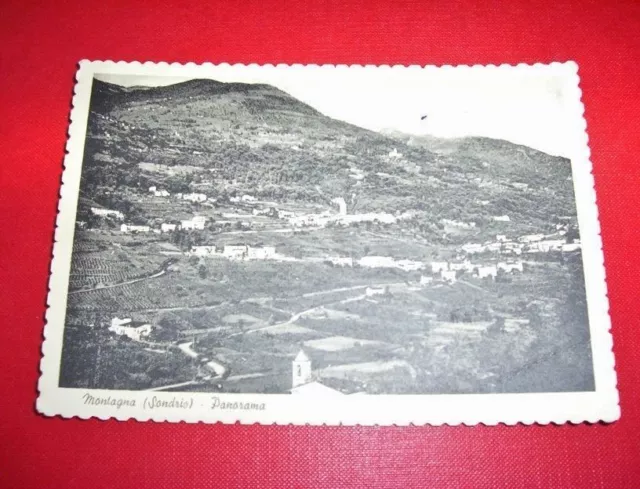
{"x": 203, "y": 271}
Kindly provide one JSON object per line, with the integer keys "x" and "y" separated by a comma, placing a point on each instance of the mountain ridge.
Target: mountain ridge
{"x": 258, "y": 139}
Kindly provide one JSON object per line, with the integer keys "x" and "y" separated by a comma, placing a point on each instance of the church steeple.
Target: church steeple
{"x": 301, "y": 370}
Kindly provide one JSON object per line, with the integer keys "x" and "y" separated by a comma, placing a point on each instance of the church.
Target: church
{"x": 304, "y": 382}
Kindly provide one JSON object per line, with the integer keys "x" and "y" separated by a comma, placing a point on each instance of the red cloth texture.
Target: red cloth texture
{"x": 41, "y": 44}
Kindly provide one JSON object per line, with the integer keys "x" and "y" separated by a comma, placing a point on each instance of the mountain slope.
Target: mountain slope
{"x": 259, "y": 139}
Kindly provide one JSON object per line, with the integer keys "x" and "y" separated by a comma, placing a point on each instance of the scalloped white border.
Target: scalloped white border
{"x": 490, "y": 409}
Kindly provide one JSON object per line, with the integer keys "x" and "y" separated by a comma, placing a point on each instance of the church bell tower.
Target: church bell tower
{"x": 301, "y": 370}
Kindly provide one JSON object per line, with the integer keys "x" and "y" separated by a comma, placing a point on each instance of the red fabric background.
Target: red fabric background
{"x": 40, "y": 47}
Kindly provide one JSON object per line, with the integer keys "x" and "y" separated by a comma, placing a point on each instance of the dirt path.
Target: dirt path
{"x": 216, "y": 367}
{"x": 173, "y": 386}
{"x": 300, "y": 314}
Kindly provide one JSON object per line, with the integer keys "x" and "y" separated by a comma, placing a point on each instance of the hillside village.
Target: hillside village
{"x": 394, "y": 269}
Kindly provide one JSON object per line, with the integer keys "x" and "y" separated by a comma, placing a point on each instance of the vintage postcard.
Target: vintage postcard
{"x": 328, "y": 245}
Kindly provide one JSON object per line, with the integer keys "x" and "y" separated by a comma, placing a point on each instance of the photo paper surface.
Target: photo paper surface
{"x": 328, "y": 244}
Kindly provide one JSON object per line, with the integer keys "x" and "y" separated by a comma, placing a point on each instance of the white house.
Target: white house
{"x": 196, "y": 222}
{"x": 235, "y": 252}
{"x": 571, "y": 247}
{"x": 465, "y": 265}
{"x": 96, "y": 211}
{"x": 382, "y": 217}
{"x": 395, "y": 154}
{"x": 504, "y": 218}
{"x": 132, "y": 329}
{"x": 377, "y": 262}
{"x": 376, "y": 290}
{"x": 448, "y": 276}
{"x": 472, "y": 248}
{"x": 531, "y": 238}
{"x": 285, "y": 214}
{"x": 161, "y": 193}
{"x": 409, "y": 265}
{"x": 234, "y": 200}
{"x": 248, "y": 198}
{"x": 194, "y": 197}
{"x": 551, "y": 245}
{"x": 501, "y": 238}
{"x": 133, "y": 228}
{"x": 487, "y": 271}
{"x": 510, "y": 267}
{"x": 167, "y": 227}
{"x": 203, "y": 250}
{"x": 260, "y": 252}
{"x": 342, "y": 205}
{"x": 341, "y": 261}
{"x": 493, "y": 246}
{"x": 153, "y": 189}
{"x": 438, "y": 266}
{"x": 425, "y": 280}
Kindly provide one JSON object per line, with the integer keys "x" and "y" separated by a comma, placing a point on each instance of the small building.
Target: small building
{"x": 466, "y": 265}
{"x": 449, "y": 276}
{"x": 235, "y": 252}
{"x": 135, "y": 330}
{"x": 153, "y": 189}
{"x": 133, "y": 228}
{"x": 551, "y": 245}
{"x": 501, "y": 238}
{"x": 167, "y": 227}
{"x": 194, "y": 197}
{"x": 472, "y": 248}
{"x": 504, "y": 218}
{"x": 203, "y": 250}
{"x": 377, "y": 262}
{"x": 426, "y": 280}
{"x": 395, "y": 154}
{"x": 531, "y": 238}
{"x": 96, "y": 211}
{"x": 569, "y": 247}
{"x": 376, "y": 290}
{"x": 438, "y": 266}
{"x": 493, "y": 246}
{"x": 248, "y": 198}
{"x": 285, "y": 214}
{"x": 342, "y": 205}
{"x": 261, "y": 252}
{"x": 510, "y": 267}
{"x": 161, "y": 193}
{"x": 196, "y": 222}
{"x": 341, "y": 261}
{"x": 409, "y": 265}
{"x": 487, "y": 271}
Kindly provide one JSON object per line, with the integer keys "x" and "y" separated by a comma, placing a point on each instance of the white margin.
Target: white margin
{"x": 470, "y": 409}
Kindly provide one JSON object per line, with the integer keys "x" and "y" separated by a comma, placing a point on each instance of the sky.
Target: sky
{"x": 521, "y": 106}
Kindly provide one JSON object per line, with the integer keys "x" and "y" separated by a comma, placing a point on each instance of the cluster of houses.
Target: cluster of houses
{"x": 324, "y": 218}
{"x": 195, "y": 223}
{"x": 191, "y": 197}
{"x": 530, "y": 243}
{"x": 243, "y": 198}
{"x": 134, "y": 330}
{"x": 448, "y": 271}
{"x": 97, "y": 211}
{"x": 237, "y": 252}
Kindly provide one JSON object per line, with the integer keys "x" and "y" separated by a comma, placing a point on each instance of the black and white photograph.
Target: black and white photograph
{"x": 327, "y": 232}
